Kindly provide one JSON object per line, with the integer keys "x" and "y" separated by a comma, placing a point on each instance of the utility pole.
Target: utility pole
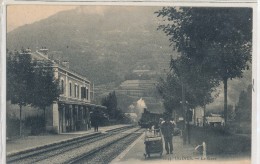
{"x": 204, "y": 115}
{"x": 184, "y": 114}
{"x": 188, "y": 125}
{"x": 184, "y": 108}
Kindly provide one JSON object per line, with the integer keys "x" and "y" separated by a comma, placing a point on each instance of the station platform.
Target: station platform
{"x": 182, "y": 154}
{"x": 32, "y": 142}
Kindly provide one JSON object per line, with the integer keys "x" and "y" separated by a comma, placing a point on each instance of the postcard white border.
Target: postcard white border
{"x": 255, "y": 152}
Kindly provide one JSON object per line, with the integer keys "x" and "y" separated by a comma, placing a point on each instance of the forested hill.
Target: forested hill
{"x": 106, "y": 43}
{"x": 102, "y": 44}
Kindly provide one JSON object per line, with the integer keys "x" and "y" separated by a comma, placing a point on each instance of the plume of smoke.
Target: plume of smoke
{"x": 138, "y": 107}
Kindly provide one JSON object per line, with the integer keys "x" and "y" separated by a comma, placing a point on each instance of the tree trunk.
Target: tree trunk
{"x": 225, "y": 100}
{"x": 44, "y": 118}
{"x": 20, "y": 132}
{"x": 188, "y": 131}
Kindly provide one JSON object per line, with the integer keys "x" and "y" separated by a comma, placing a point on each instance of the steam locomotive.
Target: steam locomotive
{"x": 148, "y": 119}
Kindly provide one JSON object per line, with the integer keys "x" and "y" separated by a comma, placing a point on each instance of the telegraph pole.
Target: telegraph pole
{"x": 184, "y": 113}
{"x": 184, "y": 108}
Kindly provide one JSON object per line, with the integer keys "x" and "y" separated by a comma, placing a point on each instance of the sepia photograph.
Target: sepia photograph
{"x": 113, "y": 83}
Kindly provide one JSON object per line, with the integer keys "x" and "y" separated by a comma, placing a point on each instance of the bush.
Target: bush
{"x": 36, "y": 124}
{"x": 52, "y": 131}
{"x": 240, "y": 127}
{"x": 12, "y": 127}
{"x": 220, "y": 141}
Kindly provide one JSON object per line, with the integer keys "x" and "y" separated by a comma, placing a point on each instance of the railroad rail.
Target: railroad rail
{"x": 49, "y": 151}
{"x": 106, "y": 152}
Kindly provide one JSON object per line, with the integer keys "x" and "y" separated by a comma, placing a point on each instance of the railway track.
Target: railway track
{"x": 108, "y": 151}
{"x": 41, "y": 154}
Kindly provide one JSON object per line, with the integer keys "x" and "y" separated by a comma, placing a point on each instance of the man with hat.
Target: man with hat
{"x": 167, "y": 129}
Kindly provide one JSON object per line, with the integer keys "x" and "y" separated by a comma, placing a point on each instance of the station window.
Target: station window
{"x": 76, "y": 90}
{"x": 83, "y": 92}
{"x": 62, "y": 86}
{"x": 86, "y": 93}
{"x": 70, "y": 90}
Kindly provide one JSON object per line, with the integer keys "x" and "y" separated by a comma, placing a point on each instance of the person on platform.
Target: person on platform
{"x": 161, "y": 121}
{"x": 95, "y": 121}
{"x": 173, "y": 122}
{"x": 167, "y": 128}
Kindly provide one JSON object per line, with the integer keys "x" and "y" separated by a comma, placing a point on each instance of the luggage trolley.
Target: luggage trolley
{"x": 153, "y": 142}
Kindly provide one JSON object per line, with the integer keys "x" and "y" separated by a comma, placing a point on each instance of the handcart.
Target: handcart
{"x": 153, "y": 142}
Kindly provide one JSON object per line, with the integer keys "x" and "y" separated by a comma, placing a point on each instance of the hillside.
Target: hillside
{"x": 102, "y": 45}
{"x": 106, "y": 43}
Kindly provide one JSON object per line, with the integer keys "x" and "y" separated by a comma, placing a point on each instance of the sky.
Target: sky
{"x": 19, "y": 15}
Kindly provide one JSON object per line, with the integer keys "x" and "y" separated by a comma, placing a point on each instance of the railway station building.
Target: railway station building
{"x": 72, "y": 111}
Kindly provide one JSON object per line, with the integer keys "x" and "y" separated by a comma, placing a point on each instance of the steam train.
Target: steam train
{"x": 148, "y": 119}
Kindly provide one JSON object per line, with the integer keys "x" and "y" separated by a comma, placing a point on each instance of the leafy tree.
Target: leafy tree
{"x": 186, "y": 80}
{"x": 216, "y": 40}
{"x": 46, "y": 87}
{"x": 110, "y": 102}
{"x": 170, "y": 90}
{"x": 30, "y": 82}
{"x": 197, "y": 84}
{"x": 186, "y": 88}
{"x": 20, "y": 79}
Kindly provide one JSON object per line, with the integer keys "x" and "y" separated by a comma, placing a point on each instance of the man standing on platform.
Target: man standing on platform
{"x": 95, "y": 121}
{"x": 167, "y": 129}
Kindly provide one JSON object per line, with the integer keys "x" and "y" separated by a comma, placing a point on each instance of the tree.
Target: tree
{"x": 46, "y": 87}
{"x": 110, "y": 102}
{"x": 169, "y": 90}
{"x": 216, "y": 40}
{"x": 30, "y": 82}
{"x": 187, "y": 80}
{"x": 186, "y": 87}
{"x": 20, "y": 79}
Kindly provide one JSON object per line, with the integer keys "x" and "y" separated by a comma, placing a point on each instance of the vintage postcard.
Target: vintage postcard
{"x": 130, "y": 82}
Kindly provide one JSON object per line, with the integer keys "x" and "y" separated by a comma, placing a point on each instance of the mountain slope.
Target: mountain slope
{"x": 105, "y": 43}
{"x": 100, "y": 43}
